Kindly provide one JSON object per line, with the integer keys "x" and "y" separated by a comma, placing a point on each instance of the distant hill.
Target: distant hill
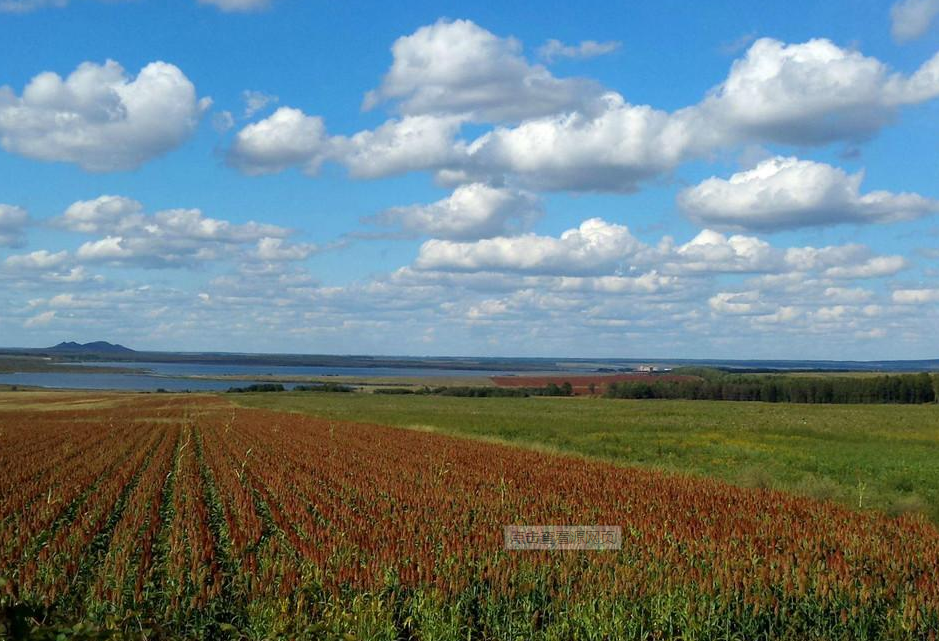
{"x": 96, "y": 347}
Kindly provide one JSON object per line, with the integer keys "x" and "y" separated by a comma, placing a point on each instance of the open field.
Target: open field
{"x": 183, "y": 516}
{"x": 881, "y": 456}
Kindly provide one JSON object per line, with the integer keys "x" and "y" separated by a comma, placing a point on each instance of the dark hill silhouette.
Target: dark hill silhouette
{"x": 96, "y": 347}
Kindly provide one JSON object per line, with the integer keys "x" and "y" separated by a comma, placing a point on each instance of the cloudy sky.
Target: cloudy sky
{"x": 642, "y": 179}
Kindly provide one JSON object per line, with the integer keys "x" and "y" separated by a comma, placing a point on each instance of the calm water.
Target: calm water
{"x": 130, "y": 382}
{"x": 165, "y": 376}
{"x": 225, "y": 369}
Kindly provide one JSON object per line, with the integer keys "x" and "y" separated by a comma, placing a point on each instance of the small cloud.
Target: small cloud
{"x": 13, "y": 222}
{"x": 851, "y": 152}
{"x": 733, "y": 47}
{"x": 554, "y": 49}
{"x": 256, "y": 101}
{"x": 40, "y": 320}
{"x": 25, "y": 6}
{"x": 222, "y": 121}
{"x": 911, "y": 19}
{"x": 238, "y": 5}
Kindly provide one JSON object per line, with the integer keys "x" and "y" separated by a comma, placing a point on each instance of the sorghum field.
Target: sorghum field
{"x": 177, "y": 516}
{"x": 883, "y": 457}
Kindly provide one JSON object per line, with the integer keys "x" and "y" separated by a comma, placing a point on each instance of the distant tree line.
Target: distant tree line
{"x": 897, "y": 388}
{"x": 323, "y": 387}
{"x": 258, "y": 387}
{"x": 552, "y": 389}
{"x": 277, "y": 387}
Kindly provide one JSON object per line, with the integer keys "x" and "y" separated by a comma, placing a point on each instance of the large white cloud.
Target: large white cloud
{"x": 613, "y": 148}
{"x": 457, "y": 67}
{"x": 910, "y": 19}
{"x": 788, "y": 193}
{"x": 596, "y": 247}
{"x": 99, "y": 118}
{"x": 471, "y": 212}
{"x": 812, "y": 93}
{"x": 13, "y": 222}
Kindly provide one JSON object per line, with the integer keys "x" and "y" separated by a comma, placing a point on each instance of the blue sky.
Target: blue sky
{"x": 630, "y": 179}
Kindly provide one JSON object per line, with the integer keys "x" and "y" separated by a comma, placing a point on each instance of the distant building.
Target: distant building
{"x": 647, "y": 369}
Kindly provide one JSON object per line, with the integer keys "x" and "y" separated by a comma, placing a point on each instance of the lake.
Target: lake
{"x": 168, "y": 376}
{"x": 226, "y": 369}
{"x": 127, "y": 382}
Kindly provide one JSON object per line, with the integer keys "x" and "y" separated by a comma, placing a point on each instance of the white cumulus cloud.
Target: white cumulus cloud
{"x": 287, "y": 138}
{"x": 412, "y": 143}
{"x": 278, "y": 250}
{"x": 552, "y": 133}
{"x": 711, "y": 251}
{"x": 471, "y": 212}
{"x": 596, "y": 247}
{"x": 100, "y": 118}
{"x": 167, "y": 238}
{"x": 612, "y": 149}
{"x": 38, "y": 260}
{"x": 812, "y": 93}
{"x": 457, "y": 67}
{"x": 876, "y": 267}
{"x": 788, "y": 193}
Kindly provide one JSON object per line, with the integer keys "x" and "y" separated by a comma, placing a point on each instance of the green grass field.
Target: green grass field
{"x": 877, "y": 456}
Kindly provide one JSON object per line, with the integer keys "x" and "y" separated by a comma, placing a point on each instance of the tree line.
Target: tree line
{"x": 551, "y": 389}
{"x": 895, "y": 388}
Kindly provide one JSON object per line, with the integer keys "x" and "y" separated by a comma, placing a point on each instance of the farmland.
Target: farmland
{"x": 878, "y": 456}
{"x": 187, "y": 517}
